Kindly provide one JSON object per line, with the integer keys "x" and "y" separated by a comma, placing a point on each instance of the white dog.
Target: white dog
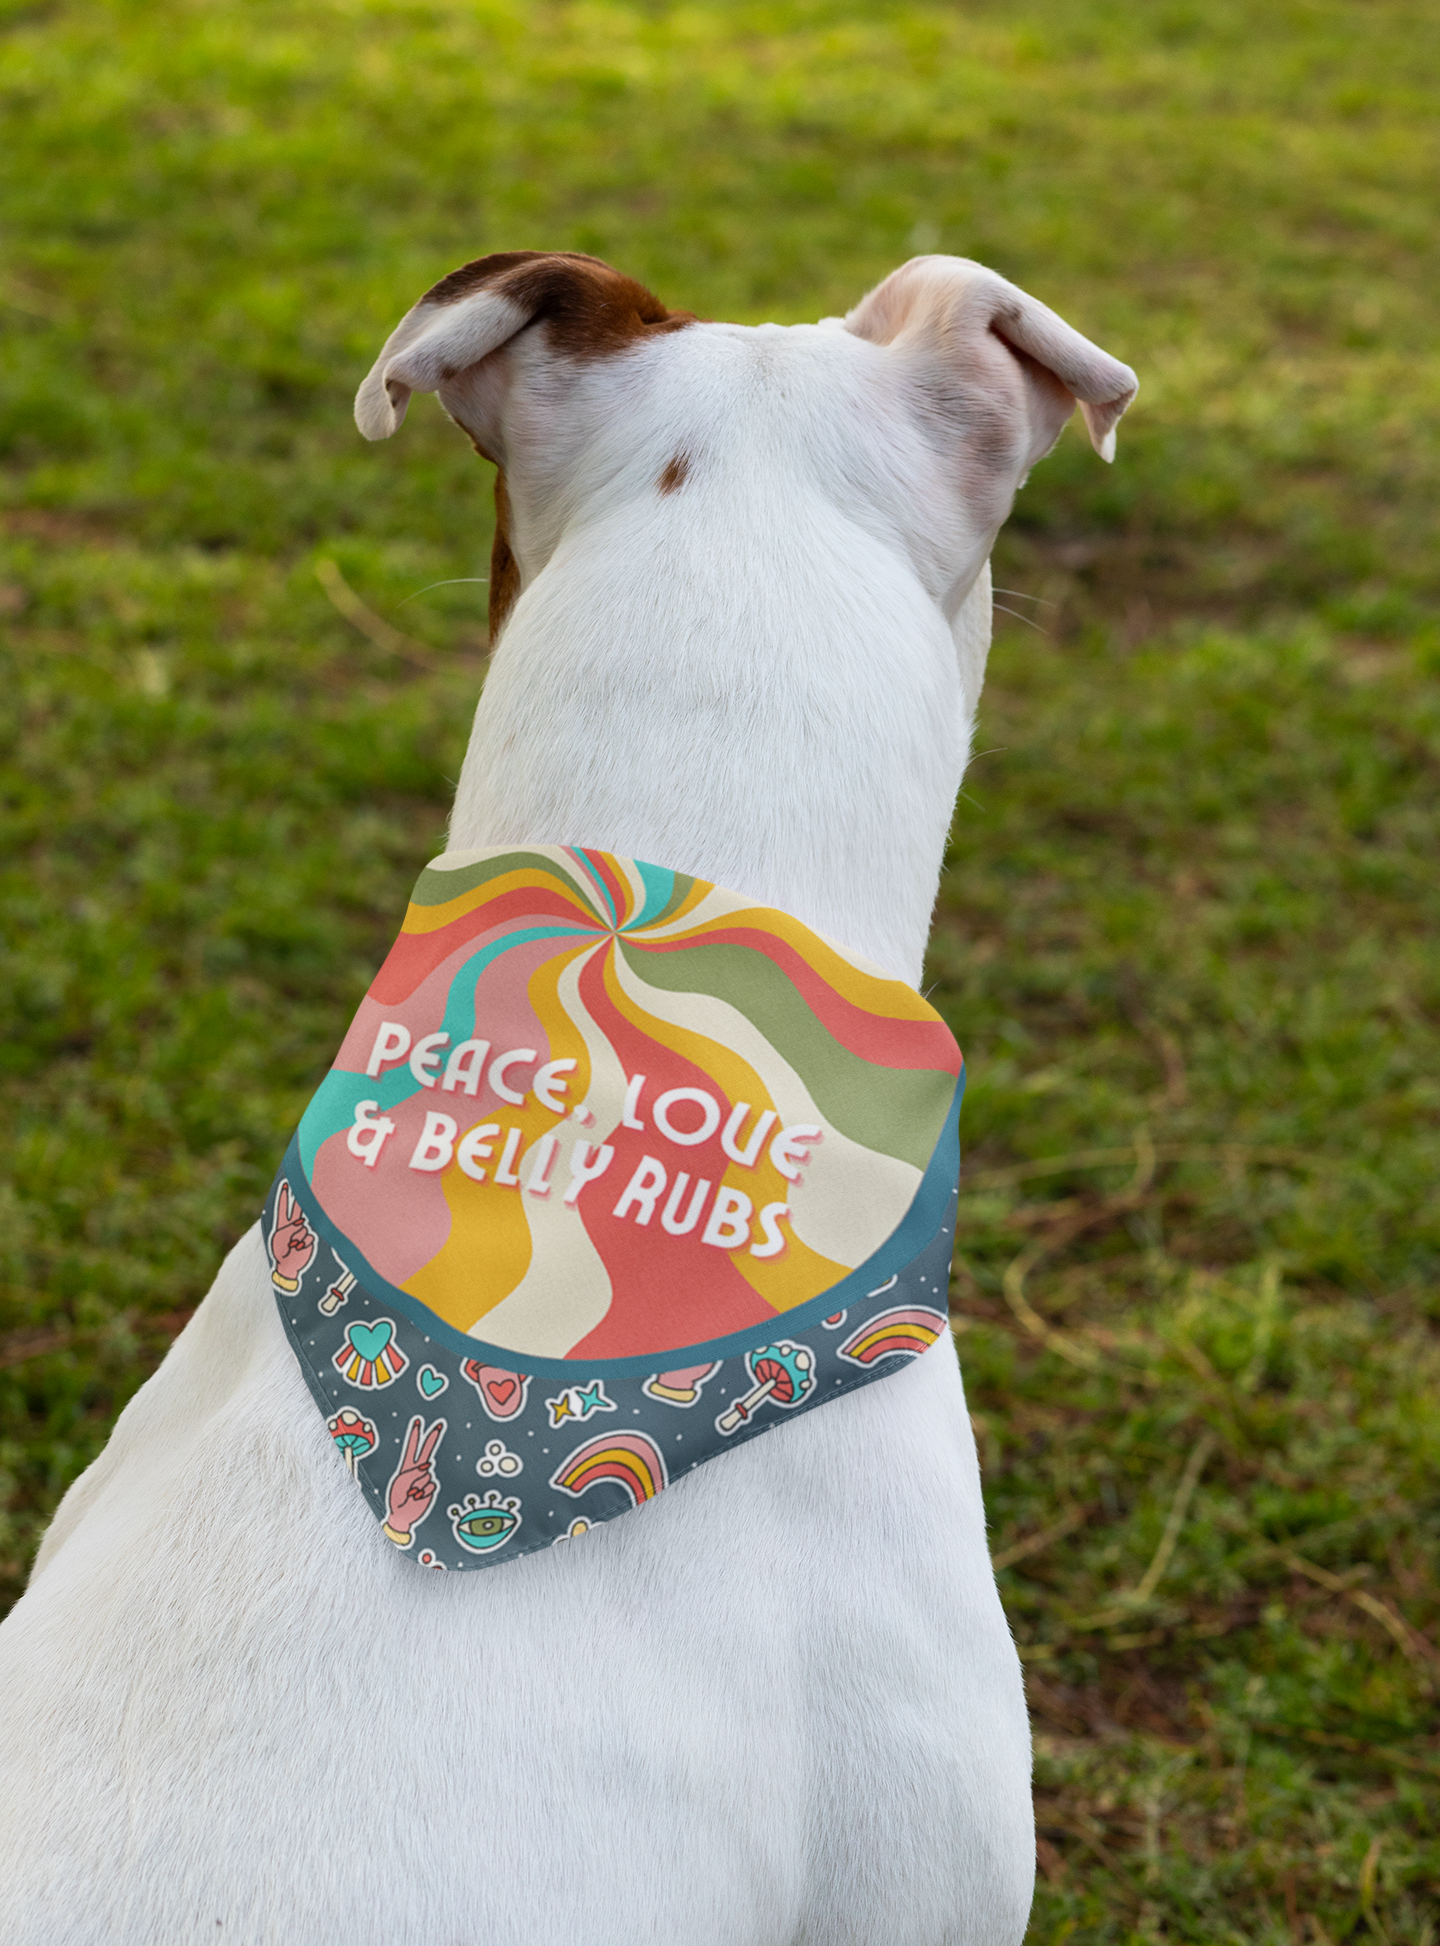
{"x": 743, "y": 580}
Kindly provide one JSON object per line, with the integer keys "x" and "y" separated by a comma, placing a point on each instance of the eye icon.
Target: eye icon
{"x": 483, "y": 1525}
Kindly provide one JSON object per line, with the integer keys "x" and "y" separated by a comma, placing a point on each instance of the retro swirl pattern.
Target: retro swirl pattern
{"x": 595, "y": 1109}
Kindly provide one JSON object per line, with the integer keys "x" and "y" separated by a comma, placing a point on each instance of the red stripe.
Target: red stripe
{"x": 668, "y": 1290}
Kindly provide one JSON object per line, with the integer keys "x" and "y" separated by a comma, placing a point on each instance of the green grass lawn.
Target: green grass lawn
{"x": 1187, "y": 936}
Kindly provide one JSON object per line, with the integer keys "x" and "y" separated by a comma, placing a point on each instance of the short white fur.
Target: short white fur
{"x": 780, "y": 1705}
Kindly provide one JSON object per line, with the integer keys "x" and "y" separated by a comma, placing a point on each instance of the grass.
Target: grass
{"x": 1186, "y": 937}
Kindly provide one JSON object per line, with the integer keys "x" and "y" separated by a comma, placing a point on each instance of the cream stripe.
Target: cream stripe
{"x": 566, "y": 1290}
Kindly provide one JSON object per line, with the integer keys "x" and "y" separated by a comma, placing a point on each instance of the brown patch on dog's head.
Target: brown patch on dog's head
{"x": 591, "y": 309}
{"x": 677, "y": 472}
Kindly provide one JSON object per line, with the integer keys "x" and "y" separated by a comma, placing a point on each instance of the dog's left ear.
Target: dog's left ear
{"x": 958, "y": 322}
{"x": 591, "y": 311}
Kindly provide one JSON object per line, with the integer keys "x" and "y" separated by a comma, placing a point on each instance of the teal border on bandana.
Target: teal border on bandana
{"x": 926, "y": 1216}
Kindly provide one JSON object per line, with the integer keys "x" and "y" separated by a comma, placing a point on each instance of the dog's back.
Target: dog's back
{"x": 741, "y": 578}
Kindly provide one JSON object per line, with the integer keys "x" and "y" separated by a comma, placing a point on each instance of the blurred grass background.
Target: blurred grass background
{"x": 1187, "y": 935}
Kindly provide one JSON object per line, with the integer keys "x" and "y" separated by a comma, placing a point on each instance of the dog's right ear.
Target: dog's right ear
{"x": 592, "y": 311}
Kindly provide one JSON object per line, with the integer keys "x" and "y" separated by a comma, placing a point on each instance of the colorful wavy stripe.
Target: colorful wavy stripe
{"x": 903, "y": 1333}
{"x": 628, "y": 1459}
{"x": 615, "y": 969}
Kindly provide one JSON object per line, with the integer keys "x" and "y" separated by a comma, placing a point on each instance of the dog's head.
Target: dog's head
{"x": 918, "y": 415}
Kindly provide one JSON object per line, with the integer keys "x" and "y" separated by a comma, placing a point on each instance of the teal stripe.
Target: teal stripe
{"x": 332, "y": 1107}
{"x": 683, "y": 884}
{"x": 659, "y": 892}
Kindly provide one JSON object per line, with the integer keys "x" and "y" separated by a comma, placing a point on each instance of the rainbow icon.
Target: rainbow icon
{"x": 628, "y": 1458}
{"x": 901, "y": 1333}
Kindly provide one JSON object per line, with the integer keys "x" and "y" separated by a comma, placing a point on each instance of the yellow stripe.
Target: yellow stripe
{"x": 915, "y": 1331}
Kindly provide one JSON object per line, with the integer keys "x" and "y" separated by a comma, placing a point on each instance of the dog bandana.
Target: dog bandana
{"x": 613, "y": 1170}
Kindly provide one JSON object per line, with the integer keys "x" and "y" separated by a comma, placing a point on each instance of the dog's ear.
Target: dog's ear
{"x": 592, "y": 311}
{"x": 953, "y": 316}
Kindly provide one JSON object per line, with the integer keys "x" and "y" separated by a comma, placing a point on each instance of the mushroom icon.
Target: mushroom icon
{"x": 355, "y": 1437}
{"x": 783, "y": 1373}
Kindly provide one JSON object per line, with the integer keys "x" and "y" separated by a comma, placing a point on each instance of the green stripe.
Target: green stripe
{"x": 438, "y": 887}
{"x": 896, "y": 1111}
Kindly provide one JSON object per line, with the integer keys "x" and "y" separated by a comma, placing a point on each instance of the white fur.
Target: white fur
{"x": 779, "y": 1706}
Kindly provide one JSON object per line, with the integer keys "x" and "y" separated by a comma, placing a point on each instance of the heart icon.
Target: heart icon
{"x": 502, "y": 1393}
{"x": 432, "y": 1383}
{"x": 370, "y": 1339}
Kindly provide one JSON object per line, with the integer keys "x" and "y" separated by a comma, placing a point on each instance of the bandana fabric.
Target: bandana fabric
{"x": 614, "y": 1169}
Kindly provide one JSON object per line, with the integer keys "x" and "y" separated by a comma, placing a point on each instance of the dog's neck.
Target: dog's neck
{"x": 794, "y": 729}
